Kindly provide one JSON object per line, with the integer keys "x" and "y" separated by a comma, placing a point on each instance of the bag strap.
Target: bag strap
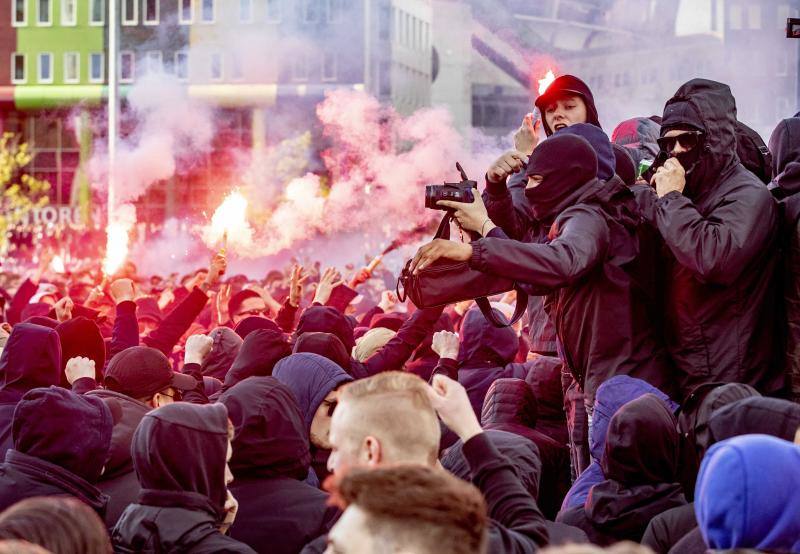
{"x": 443, "y": 231}
{"x": 519, "y": 310}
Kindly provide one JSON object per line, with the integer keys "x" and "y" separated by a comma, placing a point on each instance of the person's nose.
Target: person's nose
{"x": 679, "y": 149}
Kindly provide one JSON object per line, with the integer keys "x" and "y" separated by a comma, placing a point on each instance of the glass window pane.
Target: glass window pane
{"x": 245, "y": 10}
{"x": 45, "y": 67}
{"x": 216, "y": 66}
{"x": 186, "y": 11}
{"x": 130, "y": 10}
{"x": 98, "y": 11}
{"x": 19, "y": 67}
{"x": 126, "y": 66}
{"x": 71, "y": 67}
{"x": 44, "y": 11}
{"x": 20, "y": 11}
{"x": 273, "y": 10}
{"x": 208, "y": 10}
{"x": 151, "y": 11}
{"x": 182, "y": 65}
{"x": 96, "y": 60}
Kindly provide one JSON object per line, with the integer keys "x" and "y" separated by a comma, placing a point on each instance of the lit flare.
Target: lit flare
{"x": 546, "y": 81}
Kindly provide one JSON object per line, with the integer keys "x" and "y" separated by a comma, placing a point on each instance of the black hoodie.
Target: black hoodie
{"x": 591, "y": 271}
{"x": 61, "y": 443}
{"x": 564, "y": 85}
{"x": 640, "y": 463}
{"x": 30, "y": 359}
{"x": 511, "y": 406}
{"x": 179, "y": 454}
{"x": 259, "y": 353}
{"x": 278, "y": 512}
{"x": 721, "y": 234}
{"x": 785, "y": 146}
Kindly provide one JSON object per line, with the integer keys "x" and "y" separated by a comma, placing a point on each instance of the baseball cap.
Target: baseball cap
{"x": 141, "y": 371}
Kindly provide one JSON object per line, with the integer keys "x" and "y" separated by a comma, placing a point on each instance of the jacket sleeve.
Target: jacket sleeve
{"x": 367, "y": 317}
{"x": 177, "y": 322}
{"x": 395, "y": 352}
{"x": 198, "y": 395}
{"x": 521, "y": 523}
{"x": 84, "y": 385}
{"x": 717, "y": 247}
{"x": 447, "y": 367}
{"x": 21, "y": 299}
{"x": 500, "y": 208}
{"x": 126, "y": 330}
{"x": 581, "y": 244}
{"x": 286, "y": 316}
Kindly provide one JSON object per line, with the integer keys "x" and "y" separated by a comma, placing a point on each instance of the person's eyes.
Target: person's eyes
{"x": 569, "y": 107}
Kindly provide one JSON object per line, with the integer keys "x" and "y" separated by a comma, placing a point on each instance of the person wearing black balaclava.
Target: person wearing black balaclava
{"x": 720, "y": 226}
{"x": 585, "y": 268}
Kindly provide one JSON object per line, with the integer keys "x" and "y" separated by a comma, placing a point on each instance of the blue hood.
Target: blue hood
{"x": 746, "y": 495}
{"x": 483, "y": 342}
{"x": 610, "y": 397}
{"x": 311, "y": 378}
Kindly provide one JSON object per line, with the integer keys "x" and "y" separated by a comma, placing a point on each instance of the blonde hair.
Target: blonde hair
{"x": 372, "y": 341}
{"x": 393, "y": 407}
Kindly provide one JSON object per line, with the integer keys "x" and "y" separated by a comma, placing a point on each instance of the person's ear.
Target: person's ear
{"x": 797, "y": 437}
{"x": 372, "y": 451}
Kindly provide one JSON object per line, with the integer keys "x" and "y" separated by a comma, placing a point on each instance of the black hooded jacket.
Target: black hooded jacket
{"x": 785, "y": 147}
{"x": 259, "y": 353}
{"x": 119, "y": 481}
{"x": 511, "y": 406}
{"x": 278, "y": 512}
{"x": 640, "y": 463}
{"x": 523, "y": 456}
{"x": 599, "y": 297}
{"x": 721, "y": 234}
{"x": 751, "y": 415}
{"x": 179, "y": 454}
{"x": 61, "y": 443}
{"x": 30, "y": 359}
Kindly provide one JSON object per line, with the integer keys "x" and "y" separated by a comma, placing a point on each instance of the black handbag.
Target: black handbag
{"x": 447, "y": 282}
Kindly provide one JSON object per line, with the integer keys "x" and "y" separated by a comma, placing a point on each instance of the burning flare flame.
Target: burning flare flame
{"x": 546, "y": 81}
{"x": 57, "y": 265}
{"x": 116, "y": 247}
{"x": 229, "y": 222}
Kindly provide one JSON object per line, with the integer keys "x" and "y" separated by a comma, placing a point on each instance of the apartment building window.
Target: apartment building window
{"x": 237, "y": 72}
{"x": 97, "y": 12}
{"x": 46, "y": 68}
{"x": 20, "y": 16}
{"x": 782, "y": 61}
{"x": 735, "y": 17}
{"x": 153, "y": 62}
{"x": 273, "y": 11}
{"x": 311, "y": 11}
{"x": 69, "y": 12}
{"x": 784, "y": 12}
{"x": 245, "y": 11}
{"x": 335, "y": 9}
{"x": 207, "y": 13}
{"x": 18, "y": 75}
{"x": 72, "y": 68}
{"x": 216, "y": 66}
{"x": 44, "y": 12}
{"x": 130, "y": 12}
{"x": 151, "y": 12}
{"x": 329, "y": 63}
{"x": 97, "y": 67}
{"x": 127, "y": 67}
{"x": 186, "y": 12}
{"x": 300, "y": 67}
{"x": 754, "y": 16}
{"x": 182, "y": 65}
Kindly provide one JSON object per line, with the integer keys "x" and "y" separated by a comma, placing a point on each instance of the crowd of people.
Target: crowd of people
{"x": 649, "y": 400}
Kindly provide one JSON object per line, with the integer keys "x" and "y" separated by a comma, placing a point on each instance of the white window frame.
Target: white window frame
{"x": 251, "y": 18}
{"x": 39, "y": 77}
{"x": 102, "y": 4}
{"x": 129, "y": 22}
{"x": 14, "y": 22}
{"x": 77, "y": 78}
{"x": 102, "y": 77}
{"x": 14, "y": 79}
{"x": 335, "y": 76}
{"x": 181, "y": 19}
{"x": 221, "y": 58}
{"x": 150, "y": 57}
{"x": 279, "y": 9}
{"x": 64, "y": 21}
{"x": 49, "y": 22}
{"x": 203, "y": 12}
{"x": 155, "y": 21}
{"x": 122, "y": 78}
{"x": 177, "y": 64}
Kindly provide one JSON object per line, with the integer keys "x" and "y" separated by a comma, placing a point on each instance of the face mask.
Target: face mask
{"x": 689, "y": 159}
